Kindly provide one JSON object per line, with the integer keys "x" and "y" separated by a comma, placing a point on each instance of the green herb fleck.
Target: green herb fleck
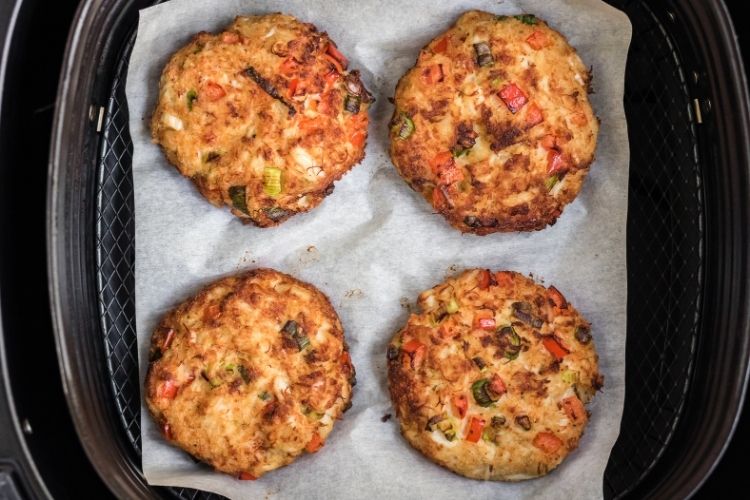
{"x": 237, "y": 195}
{"x": 192, "y": 95}
{"x": 529, "y": 19}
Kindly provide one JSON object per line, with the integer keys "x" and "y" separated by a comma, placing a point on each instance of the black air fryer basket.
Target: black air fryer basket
{"x": 688, "y": 254}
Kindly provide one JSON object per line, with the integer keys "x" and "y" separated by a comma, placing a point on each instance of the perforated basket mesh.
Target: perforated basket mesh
{"x": 665, "y": 250}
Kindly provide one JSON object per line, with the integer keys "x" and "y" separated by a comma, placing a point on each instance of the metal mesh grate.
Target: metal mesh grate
{"x": 665, "y": 248}
{"x": 115, "y": 258}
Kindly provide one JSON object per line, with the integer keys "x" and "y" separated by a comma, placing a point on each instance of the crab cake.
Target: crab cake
{"x": 491, "y": 378}
{"x": 263, "y": 116}
{"x": 250, "y": 373}
{"x": 493, "y": 125}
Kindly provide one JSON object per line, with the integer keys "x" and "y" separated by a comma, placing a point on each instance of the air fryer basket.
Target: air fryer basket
{"x": 689, "y": 202}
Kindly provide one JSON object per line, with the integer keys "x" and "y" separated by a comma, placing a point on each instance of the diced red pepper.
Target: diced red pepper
{"x": 504, "y": 278}
{"x": 537, "y": 40}
{"x": 314, "y": 444}
{"x": 213, "y": 91}
{"x": 554, "y": 347}
{"x": 476, "y": 425}
{"x": 441, "y": 45}
{"x": 533, "y": 115}
{"x": 169, "y": 389}
{"x": 557, "y": 298}
{"x": 547, "y": 442}
{"x": 484, "y": 323}
{"x": 246, "y": 476}
{"x": 555, "y": 162}
{"x": 460, "y": 405}
{"x": 513, "y": 97}
{"x": 288, "y": 66}
{"x": 293, "y": 84}
{"x": 441, "y": 161}
{"x": 357, "y": 138}
{"x": 230, "y": 37}
{"x": 343, "y": 62}
{"x": 168, "y": 339}
{"x": 432, "y": 74}
{"x": 484, "y": 279}
{"x": 574, "y": 409}
{"x": 439, "y": 200}
{"x": 549, "y": 141}
{"x": 446, "y": 169}
{"x": 346, "y": 361}
{"x": 497, "y": 385}
{"x": 416, "y": 353}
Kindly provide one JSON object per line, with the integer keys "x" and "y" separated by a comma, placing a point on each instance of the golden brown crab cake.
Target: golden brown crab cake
{"x": 493, "y": 124}
{"x": 250, "y": 373}
{"x": 263, "y": 116}
{"x": 490, "y": 379}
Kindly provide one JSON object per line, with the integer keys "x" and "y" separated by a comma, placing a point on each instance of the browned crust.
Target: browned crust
{"x": 537, "y": 384}
{"x": 505, "y": 175}
{"x": 241, "y": 380}
{"x": 282, "y": 107}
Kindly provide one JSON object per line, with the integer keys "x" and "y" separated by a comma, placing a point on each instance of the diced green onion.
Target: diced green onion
{"x": 351, "y": 104}
{"x": 570, "y": 377}
{"x": 529, "y": 19}
{"x": 192, "y": 95}
{"x": 237, "y": 195}
{"x": 458, "y": 151}
{"x": 316, "y": 415}
{"x": 211, "y": 156}
{"x": 481, "y": 392}
{"x": 229, "y": 367}
{"x": 244, "y": 373}
{"x": 291, "y": 328}
{"x": 495, "y": 82}
{"x": 479, "y": 362}
{"x": 213, "y": 382}
{"x": 272, "y": 181}
{"x": 302, "y": 342}
{"x": 445, "y": 426}
{"x": 488, "y": 434}
{"x": 551, "y": 182}
{"x": 498, "y": 421}
{"x": 452, "y": 306}
{"x": 433, "y": 422}
{"x": 483, "y": 53}
{"x": 404, "y": 126}
{"x": 513, "y": 341}
{"x": 264, "y": 396}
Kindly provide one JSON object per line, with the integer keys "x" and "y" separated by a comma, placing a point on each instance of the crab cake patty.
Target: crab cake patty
{"x": 491, "y": 378}
{"x": 493, "y": 124}
{"x": 263, "y": 116}
{"x": 250, "y": 373}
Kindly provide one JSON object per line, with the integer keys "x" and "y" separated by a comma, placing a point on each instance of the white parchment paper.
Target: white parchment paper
{"x": 374, "y": 244}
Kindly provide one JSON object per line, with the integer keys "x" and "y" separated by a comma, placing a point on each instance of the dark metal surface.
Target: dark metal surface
{"x": 679, "y": 253}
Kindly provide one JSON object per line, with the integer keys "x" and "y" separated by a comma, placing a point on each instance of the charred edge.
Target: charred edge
{"x": 269, "y": 89}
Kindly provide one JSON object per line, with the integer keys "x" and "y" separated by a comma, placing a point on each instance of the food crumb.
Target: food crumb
{"x": 355, "y": 293}
{"x": 405, "y": 304}
{"x": 385, "y": 418}
{"x": 309, "y": 255}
